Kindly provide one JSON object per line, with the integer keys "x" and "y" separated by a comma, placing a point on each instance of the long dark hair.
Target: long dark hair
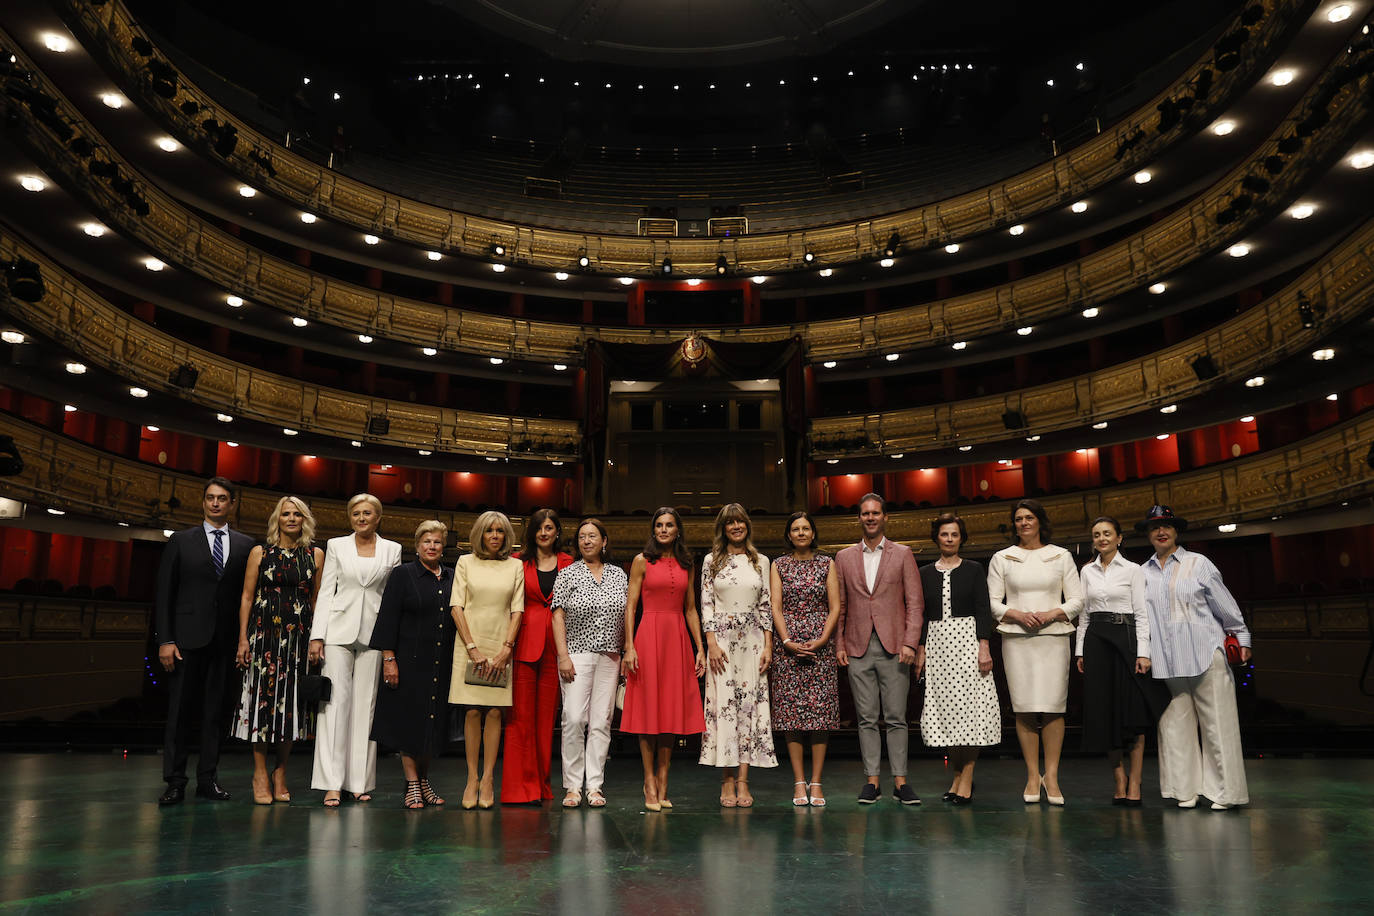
{"x": 529, "y": 550}
{"x": 1034, "y": 507}
{"x": 679, "y": 553}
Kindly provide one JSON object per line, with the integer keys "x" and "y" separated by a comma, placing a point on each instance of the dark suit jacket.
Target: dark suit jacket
{"x": 895, "y": 607}
{"x": 193, "y": 605}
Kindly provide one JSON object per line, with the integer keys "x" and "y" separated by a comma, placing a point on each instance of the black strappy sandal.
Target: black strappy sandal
{"x": 413, "y": 800}
{"x": 428, "y": 794}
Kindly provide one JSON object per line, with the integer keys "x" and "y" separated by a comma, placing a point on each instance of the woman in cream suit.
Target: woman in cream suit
{"x": 356, "y": 567}
{"x": 1036, "y": 595}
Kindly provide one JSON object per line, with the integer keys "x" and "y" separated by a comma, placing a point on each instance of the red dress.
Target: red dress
{"x": 663, "y": 697}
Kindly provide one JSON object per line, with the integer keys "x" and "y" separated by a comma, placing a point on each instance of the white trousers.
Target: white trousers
{"x": 345, "y": 755}
{"x": 1199, "y": 738}
{"x": 588, "y": 704}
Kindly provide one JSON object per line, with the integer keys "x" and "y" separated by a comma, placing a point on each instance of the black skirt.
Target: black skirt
{"x": 1118, "y": 704}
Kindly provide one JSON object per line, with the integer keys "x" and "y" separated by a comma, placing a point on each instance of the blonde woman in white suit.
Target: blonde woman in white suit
{"x": 356, "y": 567}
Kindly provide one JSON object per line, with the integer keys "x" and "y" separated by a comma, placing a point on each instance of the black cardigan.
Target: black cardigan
{"x": 968, "y": 596}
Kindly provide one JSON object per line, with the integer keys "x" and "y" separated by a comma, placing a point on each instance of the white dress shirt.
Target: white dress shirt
{"x": 1118, "y": 588}
{"x": 873, "y": 558}
{"x": 210, "y": 538}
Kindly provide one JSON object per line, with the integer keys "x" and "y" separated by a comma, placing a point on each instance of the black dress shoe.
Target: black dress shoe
{"x": 905, "y": 794}
{"x": 961, "y": 800}
{"x": 1119, "y": 801}
{"x": 212, "y": 792}
{"x": 868, "y": 794}
{"x": 174, "y": 795}
{"x": 949, "y": 796}
{"x": 1131, "y": 802}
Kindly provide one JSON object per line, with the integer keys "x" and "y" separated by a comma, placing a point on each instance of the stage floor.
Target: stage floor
{"x": 83, "y": 833}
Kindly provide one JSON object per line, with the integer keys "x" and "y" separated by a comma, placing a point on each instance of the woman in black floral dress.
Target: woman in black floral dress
{"x": 806, "y": 606}
{"x": 275, "y": 611}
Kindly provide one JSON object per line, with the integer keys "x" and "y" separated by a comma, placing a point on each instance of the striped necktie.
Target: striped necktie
{"x": 217, "y": 552}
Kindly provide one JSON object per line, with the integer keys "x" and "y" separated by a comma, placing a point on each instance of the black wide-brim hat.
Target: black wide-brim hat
{"x": 1162, "y": 515}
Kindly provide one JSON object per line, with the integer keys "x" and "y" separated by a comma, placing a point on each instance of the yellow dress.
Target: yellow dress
{"x": 489, "y": 592}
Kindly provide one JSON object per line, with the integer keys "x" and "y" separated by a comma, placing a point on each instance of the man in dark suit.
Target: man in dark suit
{"x": 199, "y": 584}
{"x": 881, "y": 610}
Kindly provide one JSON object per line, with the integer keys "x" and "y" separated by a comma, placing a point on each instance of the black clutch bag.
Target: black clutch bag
{"x": 316, "y": 688}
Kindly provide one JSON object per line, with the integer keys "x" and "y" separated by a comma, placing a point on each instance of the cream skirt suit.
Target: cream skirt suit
{"x": 1036, "y": 661}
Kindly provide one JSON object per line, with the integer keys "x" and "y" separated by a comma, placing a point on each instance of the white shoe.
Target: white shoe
{"x": 1188, "y": 802}
{"x": 804, "y": 800}
{"x": 1056, "y": 800}
{"x": 1218, "y": 806}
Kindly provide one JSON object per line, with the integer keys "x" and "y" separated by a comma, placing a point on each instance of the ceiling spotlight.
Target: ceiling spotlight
{"x": 952, "y": 248}
{"x": 434, "y": 255}
{"x": 1049, "y": 83}
{"x": 722, "y": 265}
{"x": 965, "y": 448}
{"x": 112, "y": 100}
{"x": 1302, "y": 211}
{"x": 52, "y": 511}
{"x": 12, "y": 337}
{"x": 560, "y": 367}
{"x": 759, "y": 280}
{"x": 1143, "y": 176}
{"x": 694, "y": 281}
{"x": 1157, "y": 288}
{"x": 138, "y": 392}
{"x": 1333, "y": 397}
{"x": 153, "y": 429}
{"x": 1169, "y": 408}
{"x": 1239, "y": 250}
{"x": 496, "y": 360}
{"x": 1162, "y": 436}
{"x": 288, "y": 431}
{"x": 825, "y": 272}
{"x": 429, "y": 351}
{"x": 1255, "y": 381}
{"x": 1025, "y": 332}
{"x": 355, "y": 443}
{"x": 1017, "y": 229}
{"x": 298, "y": 321}
{"x": 1282, "y": 77}
{"x": 1248, "y": 418}
{"x": 494, "y": 458}
{"x": 892, "y": 357}
{"x": 893, "y": 242}
{"x": 498, "y": 268}
{"x": 58, "y": 43}
{"x": 246, "y": 191}
{"x": 1101, "y": 425}
{"x": 32, "y": 183}
{"x": 829, "y": 364}
{"x": 94, "y": 230}
{"x": 424, "y": 451}
{"x": 1227, "y": 528}
{"x": 958, "y": 345}
{"x": 336, "y": 96}
{"x": 560, "y": 275}
{"x": 832, "y": 461}
{"x": 167, "y": 144}
{"x": 153, "y": 264}
{"x": 308, "y": 218}
{"x": 666, "y": 268}
{"x": 1079, "y": 206}
{"x": 76, "y": 368}
{"x": 1090, "y": 312}
{"x": 370, "y": 239}
{"x": 557, "y": 464}
{"x": 234, "y": 302}
{"x": 626, "y": 281}
{"x": 365, "y": 338}
{"x": 498, "y": 250}
{"x": 1338, "y": 13}
{"x": 1363, "y": 159}
{"x": 1032, "y": 438}
{"x": 224, "y": 418}
{"x": 896, "y": 455}
{"x": 809, "y": 257}
{"x": 1224, "y": 127}
{"x": 1323, "y": 354}
{"x": 71, "y": 408}
{"x": 886, "y": 262}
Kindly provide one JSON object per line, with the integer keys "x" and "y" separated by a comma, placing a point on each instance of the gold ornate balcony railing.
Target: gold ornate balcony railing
{"x": 1342, "y": 281}
{"x": 109, "y": 31}
{"x": 1321, "y": 470}
{"x": 1163, "y": 248}
{"x": 97, "y": 331}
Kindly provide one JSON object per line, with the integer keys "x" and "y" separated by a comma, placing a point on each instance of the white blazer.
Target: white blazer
{"x": 351, "y": 591}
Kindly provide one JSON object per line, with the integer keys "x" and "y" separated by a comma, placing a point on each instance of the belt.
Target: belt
{"x": 1113, "y": 618}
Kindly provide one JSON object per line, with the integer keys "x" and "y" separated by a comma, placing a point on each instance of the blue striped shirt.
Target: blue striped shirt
{"x": 1191, "y": 611}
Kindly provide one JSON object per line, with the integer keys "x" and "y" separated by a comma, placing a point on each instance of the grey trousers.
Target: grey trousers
{"x": 877, "y": 680}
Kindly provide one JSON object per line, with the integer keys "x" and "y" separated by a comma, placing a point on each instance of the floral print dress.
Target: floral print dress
{"x": 735, "y": 606}
{"x": 270, "y": 707}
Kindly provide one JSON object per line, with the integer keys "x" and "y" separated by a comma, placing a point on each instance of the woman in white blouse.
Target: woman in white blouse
{"x": 588, "y": 630}
{"x": 356, "y": 567}
{"x": 1121, "y": 702}
{"x": 1036, "y": 594}
{"x": 737, "y": 616}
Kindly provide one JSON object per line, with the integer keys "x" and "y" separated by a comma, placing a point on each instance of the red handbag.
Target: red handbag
{"x": 1233, "y": 655}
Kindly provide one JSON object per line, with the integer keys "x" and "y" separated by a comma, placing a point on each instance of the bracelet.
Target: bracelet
{"x": 471, "y": 646}
{"x": 509, "y": 645}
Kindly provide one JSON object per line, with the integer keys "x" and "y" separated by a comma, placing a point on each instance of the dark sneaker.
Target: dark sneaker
{"x": 905, "y": 795}
{"x": 868, "y": 794}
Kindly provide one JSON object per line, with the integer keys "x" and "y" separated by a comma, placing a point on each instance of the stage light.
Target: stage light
{"x": 496, "y": 360}
{"x": 1169, "y": 408}
{"x": 1101, "y": 425}
{"x": 1333, "y": 397}
{"x": 355, "y": 443}
{"x": 370, "y": 240}
{"x": 429, "y": 351}
{"x": 308, "y": 218}
{"x": 1017, "y": 229}
{"x": 965, "y": 448}
{"x": 1157, "y": 288}
{"x": 952, "y": 248}
{"x": 224, "y": 418}
{"x": 498, "y": 250}
{"x": 1302, "y": 211}
{"x": 583, "y": 261}
{"x": 1091, "y": 312}
{"x": 722, "y": 266}
{"x": 234, "y": 302}
{"x": 138, "y": 392}
{"x": 1227, "y": 527}
{"x": 1281, "y": 77}
{"x": 894, "y": 241}
{"x": 167, "y": 144}
{"x": 666, "y": 268}
{"x": 76, "y": 368}
{"x": 809, "y": 257}
{"x": 1323, "y": 354}
{"x": 959, "y": 345}
{"x": 434, "y": 255}
{"x": 1239, "y": 250}
{"x": 560, "y": 367}
{"x": 59, "y": 44}
{"x": 560, "y": 275}
{"x": 1363, "y": 159}
{"x": 1222, "y": 128}
{"x": 1338, "y": 13}
{"x": 1248, "y": 418}
{"x": 759, "y": 280}
{"x": 298, "y": 321}
{"x": 1079, "y": 206}
{"x": 24, "y": 279}
{"x": 626, "y": 281}
{"x": 246, "y": 191}
{"x": 499, "y": 268}
{"x": 32, "y": 183}
{"x": 153, "y": 264}
{"x": 892, "y": 357}
{"x": 424, "y": 452}
{"x": 886, "y": 262}
{"x": 288, "y": 431}
{"x": 1255, "y": 381}
{"x": 112, "y": 100}
{"x": 694, "y": 281}
{"x": 1032, "y": 438}
{"x": 829, "y": 364}
{"x": 365, "y": 338}
{"x": 1162, "y": 436}
{"x": 1143, "y": 176}
{"x": 1025, "y": 331}
{"x": 825, "y": 272}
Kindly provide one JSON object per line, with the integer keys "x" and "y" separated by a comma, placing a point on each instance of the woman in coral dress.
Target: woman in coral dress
{"x": 665, "y": 657}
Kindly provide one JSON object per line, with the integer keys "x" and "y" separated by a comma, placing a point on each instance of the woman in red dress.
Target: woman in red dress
{"x": 664, "y": 659}
{"x": 534, "y": 688}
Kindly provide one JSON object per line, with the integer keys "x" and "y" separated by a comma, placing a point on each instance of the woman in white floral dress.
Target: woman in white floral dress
{"x": 737, "y": 615}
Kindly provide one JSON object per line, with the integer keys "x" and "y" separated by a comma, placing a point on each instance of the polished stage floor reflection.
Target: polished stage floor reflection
{"x": 83, "y": 833}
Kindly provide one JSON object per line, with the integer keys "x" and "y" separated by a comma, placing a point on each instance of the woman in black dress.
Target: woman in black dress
{"x": 279, "y": 589}
{"x": 415, "y": 634}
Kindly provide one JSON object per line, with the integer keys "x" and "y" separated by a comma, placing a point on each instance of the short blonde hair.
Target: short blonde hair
{"x": 433, "y": 526}
{"x": 479, "y": 528}
{"x": 368, "y": 498}
{"x": 274, "y": 522}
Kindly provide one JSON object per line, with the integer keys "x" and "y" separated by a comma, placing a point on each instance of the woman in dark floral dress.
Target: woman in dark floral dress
{"x": 806, "y": 606}
{"x": 275, "y": 612}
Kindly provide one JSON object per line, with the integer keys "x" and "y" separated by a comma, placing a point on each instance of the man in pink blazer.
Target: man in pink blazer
{"x": 881, "y": 611}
